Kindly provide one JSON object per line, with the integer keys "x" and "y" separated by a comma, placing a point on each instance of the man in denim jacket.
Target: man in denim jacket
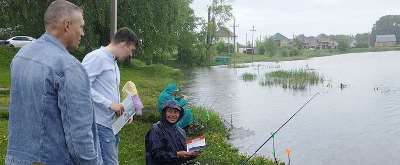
{"x": 51, "y": 118}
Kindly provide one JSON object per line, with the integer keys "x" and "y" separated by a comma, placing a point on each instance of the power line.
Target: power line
{"x": 234, "y": 41}
{"x": 234, "y": 34}
{"x": 252, "y": 43}
{"x": 113, "y": 22}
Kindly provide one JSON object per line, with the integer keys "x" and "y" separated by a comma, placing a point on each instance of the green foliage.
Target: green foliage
{"x": 248, "y": 76}
{"x": 218, "y": 151}
{"x": 218, "y": 14}
{"x": 224, "y": 48}
{"x": 283, "y": 52}
{"x": 294, "y": 51}
{"x": 343, "y": 42}
{"x": 389, "y": 24}
{"x": 343, "y": 45}
{"x": 260, "y": 47}
{"x": 6, "y": 55}
{"x": 293, "y": 79}
{"x": 297, "y": 43}
{"x": 191, "y": 52}
{"x": 3, "y": 139}
{"x": 362, "y": 40}
{"x": 162, "y": 25}
{"x": 150, "y": 81}
{"x": 137, "y": 63}
{"x": 270, "y": 47}
{"x": 220, "y": 47}
{"x": 267, "y": 46}
{"x": 290, "y": 52}
{"x": 23, "y": 14}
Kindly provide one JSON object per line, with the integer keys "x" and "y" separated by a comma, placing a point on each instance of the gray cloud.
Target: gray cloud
{"x": 309, "y": 17}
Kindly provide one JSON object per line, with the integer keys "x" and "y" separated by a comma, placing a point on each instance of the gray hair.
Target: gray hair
{"x": 59, "y": 10}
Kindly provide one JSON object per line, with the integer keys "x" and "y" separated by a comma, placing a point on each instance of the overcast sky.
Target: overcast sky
{"x": 309, "y": 17}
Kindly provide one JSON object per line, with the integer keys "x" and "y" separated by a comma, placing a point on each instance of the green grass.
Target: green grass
{"x": 249, "y": 77}
{"x": 6, "y": 55}
{"x": 3, "y": 139}
{"x": 219, "y": 152}
{"x": 4, "y": 99}
{"x": 293, "y": 79}
{"x": 360, "y": 50}
{"x": 150, "y": 80}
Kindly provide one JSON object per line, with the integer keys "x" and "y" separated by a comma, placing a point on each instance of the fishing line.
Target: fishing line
{"x": 245, "y": 161}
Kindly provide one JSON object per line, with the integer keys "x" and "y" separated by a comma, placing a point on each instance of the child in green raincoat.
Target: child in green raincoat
{"x": 170, "y": 93}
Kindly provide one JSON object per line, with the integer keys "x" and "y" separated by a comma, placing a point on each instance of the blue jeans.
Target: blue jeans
{"x": 108, "y": 144}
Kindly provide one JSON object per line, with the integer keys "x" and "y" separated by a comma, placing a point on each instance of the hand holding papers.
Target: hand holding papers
{"x": 132, "y": 106}
{"x": 196, "y": 145}
{"x": 129, "y": 111}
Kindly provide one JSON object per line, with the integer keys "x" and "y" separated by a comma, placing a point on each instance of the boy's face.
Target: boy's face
{"x": 125, "y": 51}
{"x": 172, "y": 115}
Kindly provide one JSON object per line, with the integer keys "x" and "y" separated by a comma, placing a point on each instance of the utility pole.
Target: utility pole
{"x": 113, "y": 25}
{"x": 209, "y": 26}
{"x": 210, "y": 31}
{"x": 246, "y": 43}
{"x": 252, "y": 43}
{"x": 234, "y": 34}
{"x": 234, "y": 42}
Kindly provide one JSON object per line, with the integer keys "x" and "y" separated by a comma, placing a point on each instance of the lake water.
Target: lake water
{"x": 359, "y": 124}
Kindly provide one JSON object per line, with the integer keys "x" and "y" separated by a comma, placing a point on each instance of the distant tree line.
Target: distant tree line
{"x": 169, "y": 30}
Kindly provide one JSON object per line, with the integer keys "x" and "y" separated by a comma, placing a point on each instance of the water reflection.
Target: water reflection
{"x": 355, "y": 120}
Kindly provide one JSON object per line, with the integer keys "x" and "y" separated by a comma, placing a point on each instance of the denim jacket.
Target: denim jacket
{"x": 51, "y": 117}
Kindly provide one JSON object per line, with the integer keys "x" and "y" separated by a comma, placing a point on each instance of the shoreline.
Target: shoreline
{"x": 307, "y": 54}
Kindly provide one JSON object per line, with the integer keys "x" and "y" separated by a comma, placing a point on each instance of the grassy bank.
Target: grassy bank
{"x": 150, "y": 80}
{"x": 306, "y": 54}
{"x": 6, "y": 55}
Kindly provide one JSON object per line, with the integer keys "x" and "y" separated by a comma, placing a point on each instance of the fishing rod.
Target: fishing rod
{"x": 245, "y": 161}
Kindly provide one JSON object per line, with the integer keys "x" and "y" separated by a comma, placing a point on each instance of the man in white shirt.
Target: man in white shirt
{"x": 102, "y": 68}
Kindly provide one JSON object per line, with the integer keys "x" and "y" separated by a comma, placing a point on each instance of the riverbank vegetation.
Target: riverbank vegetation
{"x": 150, "y": 80}
{"x": 248, "y": 76}
{"x": 292, "y": 79}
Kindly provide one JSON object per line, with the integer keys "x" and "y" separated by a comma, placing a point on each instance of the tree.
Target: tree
{"x": 343, "y": 45}
{"x": 26, "y": 15}
{"x": 389, "y": 24}
{"x": 267, "y": 46}
{"x": 161, "y": 25}
{"x": 362, "y": 40}
{"x": 260, "y": 47}
{"x": 297, "y": 43}
{"x": 218, "y": 14}
{"x": 270, "y": 47}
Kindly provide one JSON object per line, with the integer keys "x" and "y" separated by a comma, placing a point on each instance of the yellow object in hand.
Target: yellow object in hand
{"x": 129, "y": 89}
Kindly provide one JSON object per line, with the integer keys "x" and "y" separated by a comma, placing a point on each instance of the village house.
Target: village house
{"x": 385, "y": 40}
{"x": 322, "y": 41}
{"x": 281, "y": 40}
